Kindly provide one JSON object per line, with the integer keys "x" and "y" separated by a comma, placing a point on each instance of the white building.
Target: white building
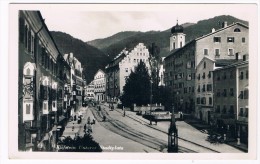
{"x": 100, "y": 86}
{"x": 89, "y": 91}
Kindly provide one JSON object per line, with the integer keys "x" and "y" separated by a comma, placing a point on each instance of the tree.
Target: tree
{"x": 155, "y": 63}
{"x": 137, "y": 87}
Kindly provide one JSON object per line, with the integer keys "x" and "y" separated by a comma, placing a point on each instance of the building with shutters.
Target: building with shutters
{"x": 228, "y": 42}
{"x": 42, "y": 76}
{"x": 119, "y": 69}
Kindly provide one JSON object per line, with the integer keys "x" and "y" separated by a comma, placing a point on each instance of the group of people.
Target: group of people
{"x": 88, "y": 127}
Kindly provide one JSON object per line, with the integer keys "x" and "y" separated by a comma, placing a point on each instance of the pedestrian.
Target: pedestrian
{"x": 94, "y": 121}
{"x": 88, "y": 120}
{"x": 85, "y": 128}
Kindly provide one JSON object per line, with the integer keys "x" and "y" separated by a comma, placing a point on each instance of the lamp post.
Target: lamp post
{"x": 173, "y": 135}
{"x": 151, "y": 100}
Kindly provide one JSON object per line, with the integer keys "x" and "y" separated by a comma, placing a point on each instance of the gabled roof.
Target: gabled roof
{"x": 234, "y": 64}
{"x": 221, "y": 29}
{"x": 100, "y": 70}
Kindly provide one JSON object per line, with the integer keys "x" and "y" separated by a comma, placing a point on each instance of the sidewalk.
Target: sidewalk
{"x": 186, "y": 132}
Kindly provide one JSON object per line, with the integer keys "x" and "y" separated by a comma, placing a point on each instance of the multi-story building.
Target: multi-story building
{"x": 42, "y": 71}
{"x": 77, "y": 82}
{"x": 100, "y": 86}
{"x": 204, "y": 86}
{"x": 230, "y": 84}
{"x": 89, "y": 91}
{"x": 119, "y": 69}
{"x": 229, "y": 42}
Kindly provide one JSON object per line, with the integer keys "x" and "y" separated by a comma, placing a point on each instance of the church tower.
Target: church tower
{"x": 177, "y": 39}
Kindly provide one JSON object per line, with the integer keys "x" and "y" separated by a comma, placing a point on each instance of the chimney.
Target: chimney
{"x": 213, "y": 30}
{"x": 224, "y": 24}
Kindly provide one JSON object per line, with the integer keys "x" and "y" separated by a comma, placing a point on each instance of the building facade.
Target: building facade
{"x": 229, "y": 100}
{"x": 119, "y": 69}
{"x": 42, "y": 71}
{"x": 100, "y": 86}
{"x": 229, "y": 42}
{"x": 89, "y": 91}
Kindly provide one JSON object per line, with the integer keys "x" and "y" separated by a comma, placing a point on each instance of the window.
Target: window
{"x": 217, "y": 52}
{"x": 243, "y": 40}
{"x": 126, "y": 69}
{"x": 231, "y": 91}
{"x": 230, "y": 39}
{"x": 231, "y": 75}
{"x": 204, "y": 65}
{"x": 206, "y": 52}
{"x": 241, "y": 75}
{"x": 199, "y": 77}
{"x": 241, "y": 112}
{"x": 203, "y": 88}
{"x": 210, "y": 100}
{"x": 209, "y": 74}
{"x": 230, "y": 51}
{"x": 246, "y": 94}
{"x": 224, "y": 92}
{"x": 209, "y": 87}
{"x": 237, "y": 30}
{"x": 189, "y": 77}
{"x": 28, "y": 108}
{"x": 241, "y": 95}
{"x": 189, "y": 64}
{"x": 198, "y": 88}
{"x": 224, "y": 110}
{"x": 217, "y": 39}
{"x": 173, "y": 45}
{"x": 246, "y": 112}
{"x": 203, "y": 100}
{"x": 231, "y": 109}
{"x": 198, "y": 100}
{"x": 185, "y": 90}
{"x": 180, "y": 44}
{"x": 204, "y": 75}
{"x": 246, "y": 74}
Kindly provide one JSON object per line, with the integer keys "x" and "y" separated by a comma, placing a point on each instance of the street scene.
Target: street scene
{"x": 183, "y": 88}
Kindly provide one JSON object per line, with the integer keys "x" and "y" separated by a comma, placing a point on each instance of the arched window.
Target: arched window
{"x": 237, "y": 30}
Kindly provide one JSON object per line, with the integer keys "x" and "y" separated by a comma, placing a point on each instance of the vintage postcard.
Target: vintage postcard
{"x": 159, "y": 81}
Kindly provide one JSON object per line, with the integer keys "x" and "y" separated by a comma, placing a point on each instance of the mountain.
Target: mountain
{"x": 106, "y": 42}
{"x": 90, "y": 57}
{"x": 119, "y": 41}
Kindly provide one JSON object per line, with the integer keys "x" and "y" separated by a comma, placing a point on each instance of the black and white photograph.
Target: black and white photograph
{"x": 133, "y": 78}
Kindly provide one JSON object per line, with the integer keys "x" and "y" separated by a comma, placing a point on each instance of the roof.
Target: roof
{"x": 225, "y": 62}
{"x": 178, "y": 49}
{"x": 221, "y": 29}
{"x": 234, "y": 64}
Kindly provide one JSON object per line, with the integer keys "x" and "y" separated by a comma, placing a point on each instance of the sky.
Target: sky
{"x": 93, "y": 21}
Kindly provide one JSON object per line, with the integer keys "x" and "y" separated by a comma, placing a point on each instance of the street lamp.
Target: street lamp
{"x": 151, "y": 99}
